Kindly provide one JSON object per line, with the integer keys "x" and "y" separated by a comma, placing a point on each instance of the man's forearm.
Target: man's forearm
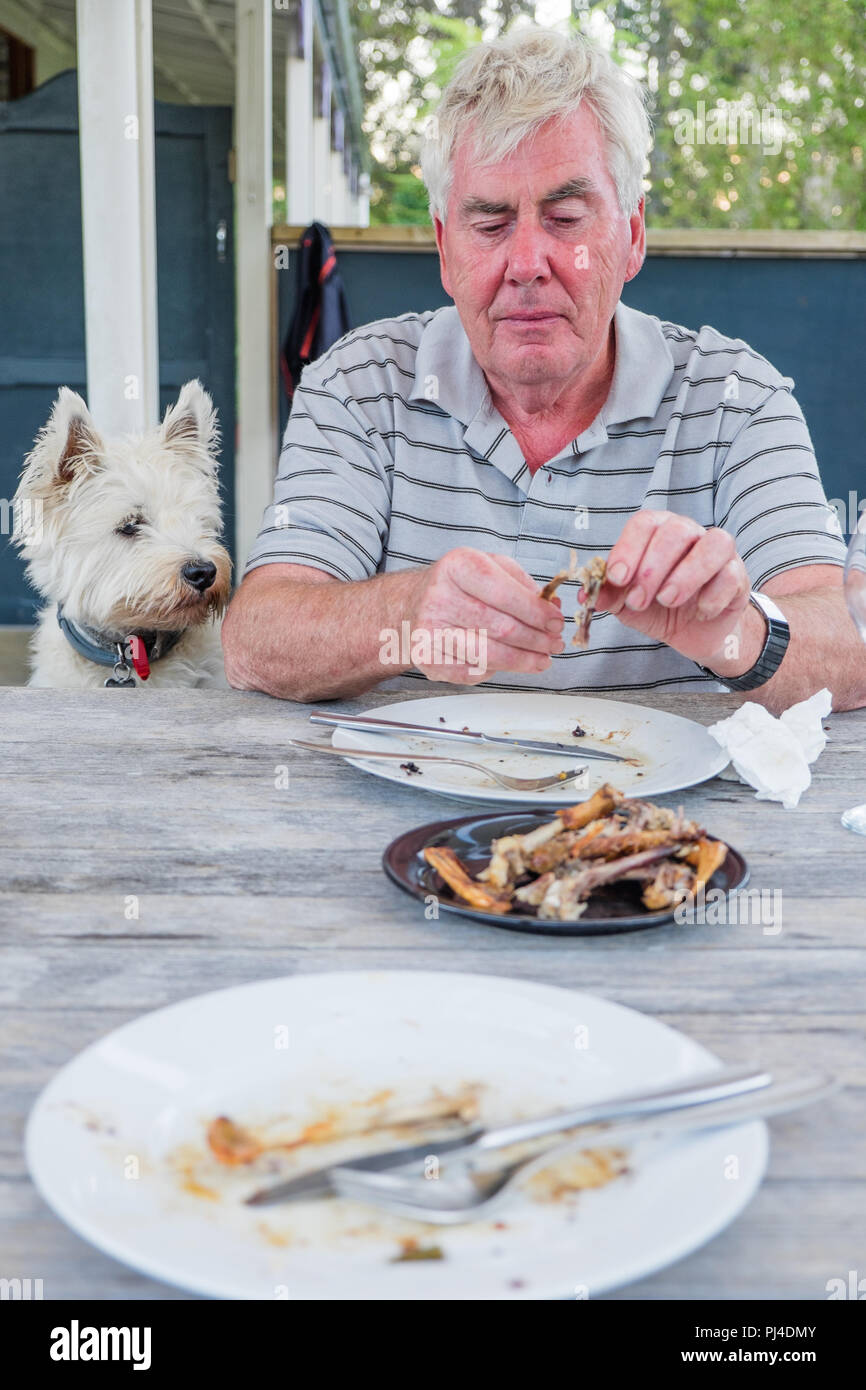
{"x": 301, "y": 640}
{"x": 298, "y": 634}
{"x": 825, "y": 650}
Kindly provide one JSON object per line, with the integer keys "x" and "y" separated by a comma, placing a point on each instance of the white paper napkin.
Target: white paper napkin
{"x": 773, "y": 755}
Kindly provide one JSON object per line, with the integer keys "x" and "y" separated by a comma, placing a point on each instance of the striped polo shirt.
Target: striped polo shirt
{"x": 394, "y": 454}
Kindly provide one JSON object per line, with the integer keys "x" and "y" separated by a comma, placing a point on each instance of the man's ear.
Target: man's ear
{"x": 439, "y": 229}
{"x": 66, "y": 446}
{"x": 191, "y": 424}
{"x": 637, "y": 254}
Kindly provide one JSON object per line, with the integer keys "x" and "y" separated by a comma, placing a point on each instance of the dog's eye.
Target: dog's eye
{"x": 129, "y": 528}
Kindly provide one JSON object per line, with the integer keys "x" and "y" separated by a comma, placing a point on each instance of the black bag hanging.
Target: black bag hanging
{"x": 321, "y": 313}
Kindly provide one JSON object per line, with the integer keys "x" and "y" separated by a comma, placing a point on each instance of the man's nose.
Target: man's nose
{"x": 527, "y": 254}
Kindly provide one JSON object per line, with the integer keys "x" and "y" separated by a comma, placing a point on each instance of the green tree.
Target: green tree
{"x": 403, "y": 45}
{"x": 795, "y": 162}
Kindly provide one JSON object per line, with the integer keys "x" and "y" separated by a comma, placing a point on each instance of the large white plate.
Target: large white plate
{"x": 669, "y": 752}
{"x": 111, "y": 1142}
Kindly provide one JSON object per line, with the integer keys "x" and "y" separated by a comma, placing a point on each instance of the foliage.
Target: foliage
{"x": 806, "y": 64}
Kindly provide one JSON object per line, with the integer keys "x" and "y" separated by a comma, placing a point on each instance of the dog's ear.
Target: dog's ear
{"x": 191, "y": 424}
{"x": 82, "y": 444}
{"x": 66, "y": 446}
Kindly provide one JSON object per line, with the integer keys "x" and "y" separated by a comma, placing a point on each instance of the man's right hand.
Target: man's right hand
{"x": 495, "y": 604}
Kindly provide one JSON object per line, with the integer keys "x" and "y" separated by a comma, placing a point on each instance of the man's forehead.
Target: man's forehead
{"x": 560, "y": 159}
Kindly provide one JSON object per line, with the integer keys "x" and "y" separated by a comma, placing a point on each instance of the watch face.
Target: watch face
{"x": 768, "y": 607}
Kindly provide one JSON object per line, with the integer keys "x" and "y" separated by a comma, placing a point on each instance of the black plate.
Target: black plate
{"x": 616, "y": 908}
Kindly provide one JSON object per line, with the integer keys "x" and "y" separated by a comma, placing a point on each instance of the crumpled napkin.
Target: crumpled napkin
{"x": 773, "y": 755}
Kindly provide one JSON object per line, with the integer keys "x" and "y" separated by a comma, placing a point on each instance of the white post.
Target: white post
{"x": 354, "y": 210}
{"x": 337, "y": 215}
{"x": 321, "y": 171}
{"x": 322, "y": 150}
{"x": 115, "y": 121}
{"x": 363, "y": 200}
{"x": 348, "y": 195}
{"x": 338, "y": 198}
{"x": 299, "y": 121}
{"x": 256, "y": 455}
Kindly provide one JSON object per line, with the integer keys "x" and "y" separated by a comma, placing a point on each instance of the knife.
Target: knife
{"x": 386, "y": 726}
{"x": 721, "y": 1084}
{"x": 318, "y": 1183}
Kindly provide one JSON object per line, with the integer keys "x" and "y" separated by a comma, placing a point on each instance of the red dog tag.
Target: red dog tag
{"x": 139, "y": 658}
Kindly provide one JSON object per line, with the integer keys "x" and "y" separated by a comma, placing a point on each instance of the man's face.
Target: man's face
{"x": 535, "y": 252}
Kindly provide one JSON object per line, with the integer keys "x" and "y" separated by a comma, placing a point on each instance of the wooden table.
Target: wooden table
{"x": 170, "y": 798}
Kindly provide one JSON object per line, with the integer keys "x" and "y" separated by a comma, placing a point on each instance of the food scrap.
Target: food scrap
{"x": 576, "y": 1173}
{"x": 449, "y": 868}
{"x": 411, "y": 1250}
{"x": 232, "y": 1144}
{"x": 561, "y": 577}
{"x": 590, "y": 577}
{"x": 610, "y": 838}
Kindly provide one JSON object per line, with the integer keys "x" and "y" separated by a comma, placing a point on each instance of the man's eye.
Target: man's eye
{"x": 491, "y": 230}
{"x": 129, "y": 528}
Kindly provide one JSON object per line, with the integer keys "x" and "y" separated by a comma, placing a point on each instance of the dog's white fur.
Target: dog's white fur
{"x": 76, "y": 490}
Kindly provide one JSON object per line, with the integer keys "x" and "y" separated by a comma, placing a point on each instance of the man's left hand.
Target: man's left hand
{"x": 684, "y": 585}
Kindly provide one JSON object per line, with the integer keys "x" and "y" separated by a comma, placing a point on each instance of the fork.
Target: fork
{"x": 476, "y": 1193}
{"x": 512, "y": 784}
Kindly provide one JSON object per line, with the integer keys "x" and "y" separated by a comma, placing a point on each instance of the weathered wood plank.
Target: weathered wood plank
{"x": 170, "y": 798}
{"x": 340, "y": 918}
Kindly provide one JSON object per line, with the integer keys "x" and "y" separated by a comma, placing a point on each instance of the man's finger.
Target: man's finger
{"x": 625, "y": 556}
{"x": 457, "y": 609}
{"x": 497, "y": 657}
{"x": 713, "y": 550}
{"x": 505, "y": 658}
{"x": 729, "y": 589}
{"x": 512, "y": 567}
{"x": 665, "y": 548}
{"x": 482, "y": 578}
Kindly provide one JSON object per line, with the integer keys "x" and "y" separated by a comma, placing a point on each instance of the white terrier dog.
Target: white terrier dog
{"x": 121, "y": 537}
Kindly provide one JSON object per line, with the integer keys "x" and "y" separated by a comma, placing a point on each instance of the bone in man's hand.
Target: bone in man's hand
{"x": 591, "y": 578}
{"x": 560, "y": 577}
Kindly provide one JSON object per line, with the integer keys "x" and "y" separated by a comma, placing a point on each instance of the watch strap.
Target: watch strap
{"x": 772, "y": 652}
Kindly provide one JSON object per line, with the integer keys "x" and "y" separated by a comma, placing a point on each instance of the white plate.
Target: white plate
{"x": 113, "y": 1142}
{"x": 669, "y": 752}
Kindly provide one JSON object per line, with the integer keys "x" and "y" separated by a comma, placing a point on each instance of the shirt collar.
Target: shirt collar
{"x": 447, "y": 373}
{"x": 642, "y": 369}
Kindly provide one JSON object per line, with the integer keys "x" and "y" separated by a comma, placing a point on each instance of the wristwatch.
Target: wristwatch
{"x": 770, "y": 659}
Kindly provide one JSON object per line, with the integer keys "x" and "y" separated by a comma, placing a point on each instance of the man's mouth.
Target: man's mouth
{"x": 533, "y": 316}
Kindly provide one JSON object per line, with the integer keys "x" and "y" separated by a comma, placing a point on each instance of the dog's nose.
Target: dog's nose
{"x": 199, "y": 574}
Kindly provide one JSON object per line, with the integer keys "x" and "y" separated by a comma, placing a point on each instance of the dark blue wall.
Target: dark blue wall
{"x": 42, "y": 280}
{"x": 807, "y": 316}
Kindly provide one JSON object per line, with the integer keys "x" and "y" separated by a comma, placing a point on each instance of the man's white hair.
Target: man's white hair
{"x": 505, "y": 89}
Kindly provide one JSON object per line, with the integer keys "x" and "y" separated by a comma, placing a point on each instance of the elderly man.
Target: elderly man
{"x": 438, "y": 468}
